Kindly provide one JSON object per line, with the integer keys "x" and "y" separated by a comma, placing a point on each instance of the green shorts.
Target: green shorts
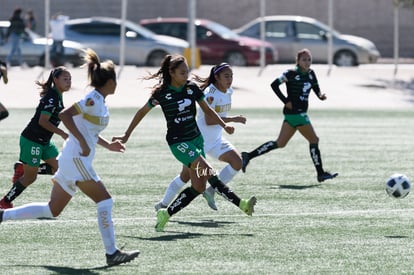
{"x": 31, "y": 152}
{"x": 297, "y": 120}
{"x": 187, "y": 152}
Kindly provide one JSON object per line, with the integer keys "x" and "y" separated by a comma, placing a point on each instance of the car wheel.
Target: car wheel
{"x": 236, "y": 59}
{"x": 155, "y": 58}
{"x": 345, "y": 58}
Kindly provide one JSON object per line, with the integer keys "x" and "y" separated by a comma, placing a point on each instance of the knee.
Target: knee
{"x": 55, "y": 212}
{"x": 236, "y": 164}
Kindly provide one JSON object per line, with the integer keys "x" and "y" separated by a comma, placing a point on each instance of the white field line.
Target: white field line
{"x": 366, "y": 212}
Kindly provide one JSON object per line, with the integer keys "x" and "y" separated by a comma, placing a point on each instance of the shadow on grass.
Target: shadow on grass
{"x": 396, "y": 237}
{"x": 174, "y": 235}
{"x": 294, "y": 187}
{"x": 68, "y": 270}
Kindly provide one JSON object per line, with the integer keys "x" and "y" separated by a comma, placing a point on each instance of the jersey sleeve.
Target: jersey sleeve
{"x": 275, "y": 86}
{"x": 315, "y": 84}
{"x": 49, "y": 104}
{"x": 198, "y": 93}
{"x": 209, "y": 97}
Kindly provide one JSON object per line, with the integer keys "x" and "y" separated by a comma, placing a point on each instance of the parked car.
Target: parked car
{"x": 33, "y": 48}
{"x": 292, "y": 33}
{"x": 142, "y": 47}
{"x": 216, "y": 42}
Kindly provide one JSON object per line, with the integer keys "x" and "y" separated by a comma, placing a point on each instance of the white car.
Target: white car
{"x": 142, "y": 47}
{"x": 289, "y": 34}
{"x": 33, "y": 47}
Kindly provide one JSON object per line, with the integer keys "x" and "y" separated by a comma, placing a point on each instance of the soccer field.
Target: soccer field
{"x": 348, "y": 225}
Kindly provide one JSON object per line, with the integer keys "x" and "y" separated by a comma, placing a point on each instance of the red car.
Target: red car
{"x": 216, "y": 42}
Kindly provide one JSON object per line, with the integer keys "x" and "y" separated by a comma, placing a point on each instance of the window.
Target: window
{"x": 279, "y": 29}
{"x": 97, "y": 29}
{"x": 308, "y": 31}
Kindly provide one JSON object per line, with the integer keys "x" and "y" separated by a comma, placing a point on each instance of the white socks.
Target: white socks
{"x": 106, "y": 226}
{"x": 172, "y": 190}
{"x": 227, "y": 174}
{"x": 28, "y": 211}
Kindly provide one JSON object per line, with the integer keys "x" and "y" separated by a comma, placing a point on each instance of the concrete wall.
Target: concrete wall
{"x": 372, "y": 19}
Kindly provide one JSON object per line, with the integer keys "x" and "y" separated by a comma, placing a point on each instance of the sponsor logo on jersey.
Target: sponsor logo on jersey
{"x": 182, "y": 104}
{"x": 210, "y": 100}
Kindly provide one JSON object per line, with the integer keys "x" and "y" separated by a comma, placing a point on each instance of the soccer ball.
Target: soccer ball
{"x": 398, "y": 186}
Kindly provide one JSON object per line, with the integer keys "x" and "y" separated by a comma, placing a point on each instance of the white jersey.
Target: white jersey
{"x": 93, "y": 117}
{"x": 221, "y": 103}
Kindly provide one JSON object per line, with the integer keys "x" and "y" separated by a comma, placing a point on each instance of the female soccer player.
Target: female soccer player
{"x": 299, "y": 81}
{"x": 84, "y": 120}
{"x": 35, "y": 140}
{"x": 177, "y": 98}
{"x": 218, "y": 92}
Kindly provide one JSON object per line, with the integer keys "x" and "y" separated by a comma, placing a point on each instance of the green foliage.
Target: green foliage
{"x": 343, "y": 226}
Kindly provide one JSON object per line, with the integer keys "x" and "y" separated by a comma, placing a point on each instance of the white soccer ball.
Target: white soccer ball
{"x": 398, "y": 186}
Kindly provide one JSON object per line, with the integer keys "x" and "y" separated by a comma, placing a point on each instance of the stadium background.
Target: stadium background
{"x": 372, "y": 19}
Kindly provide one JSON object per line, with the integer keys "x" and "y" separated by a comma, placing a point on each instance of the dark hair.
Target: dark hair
{"x": 211, "y": 79}
{"x": 168, "y": 64}
{"x": 45, "y": 86}
{"x": 302, "y": 52}
{"x": 16, "y": 13}
{"x": 98, "y": 73}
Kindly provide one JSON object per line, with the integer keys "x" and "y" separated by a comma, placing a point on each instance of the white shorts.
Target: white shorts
{"x": 73, "y": 170}
{"x": 217, "y": 149}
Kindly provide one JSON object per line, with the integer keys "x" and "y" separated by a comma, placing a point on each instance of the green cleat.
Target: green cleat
{"x": 209, "y": 196}
{"x": 162, "y": 219}
{"x": 247, "y": 206}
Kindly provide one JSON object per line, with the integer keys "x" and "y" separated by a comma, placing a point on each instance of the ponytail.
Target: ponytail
{"x": 98, "y": 73}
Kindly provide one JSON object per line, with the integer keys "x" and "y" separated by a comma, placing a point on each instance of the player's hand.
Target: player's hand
{"x": 85, "y": 149}
{"x": 322, "y": 97}
{"x": 288, "y": 105}
{"x": 229, "y": 129}
{"x": 116, "y": 146}
{"x": 123, "y": 138}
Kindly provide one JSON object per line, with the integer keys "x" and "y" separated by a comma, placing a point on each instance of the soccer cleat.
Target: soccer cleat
{"x": 326, "y": 176}
{"x": 245, "y": 160}
{"x": 18, "y": 171}
{"x": 5, "y": 205}
{"x": 120, "y": 257}
{"x": 159, "y": 205}
{"x": 162, "y": 219}
{"x": 247, "y": 206}
{"x": 209, "y": 196}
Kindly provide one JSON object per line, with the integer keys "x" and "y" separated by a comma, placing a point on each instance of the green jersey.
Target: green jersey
{"x": 298, "y": 87}
{"x": 51, "y": 103}
{"x": 179, "y": 108}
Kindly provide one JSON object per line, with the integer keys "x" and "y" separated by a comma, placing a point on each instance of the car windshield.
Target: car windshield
{"x": 326, "y": 28}
{"x": 139, "y": 29}
{"x": 222, "y": 30}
